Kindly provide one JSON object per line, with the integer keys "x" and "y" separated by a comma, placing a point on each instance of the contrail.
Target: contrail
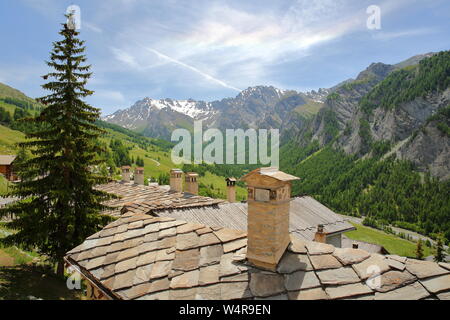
{"x": 205, "y": 75}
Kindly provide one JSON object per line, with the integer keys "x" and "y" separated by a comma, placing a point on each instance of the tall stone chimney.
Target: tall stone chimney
{"x": 176, "y": 182}
{"x": 126, "y": 173}
{"x": 191, "y": 184}
{"x": 320, "y": 235}
{"x": 231, "y": 189}
{"x": 269, "y": 195}
{"x": 139, "y": 176}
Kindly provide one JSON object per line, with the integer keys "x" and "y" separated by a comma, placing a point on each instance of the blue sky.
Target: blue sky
{"x": 212, "y": 49}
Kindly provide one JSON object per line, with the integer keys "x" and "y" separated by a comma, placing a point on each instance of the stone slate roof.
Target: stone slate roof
{"x": 137, "y": 198}
{"x": 143, "y": 257}
{"x": 306, "y": 214}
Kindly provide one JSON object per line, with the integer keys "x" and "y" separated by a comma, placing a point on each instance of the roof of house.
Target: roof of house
{"x": 6, "y": 160}
{"x": 144, "y": 257}
{"x": 141, "y": 199}
{"x": 271, "y": 172}
{"x": 369, "y": 247}
{"x": 305, "y": 214}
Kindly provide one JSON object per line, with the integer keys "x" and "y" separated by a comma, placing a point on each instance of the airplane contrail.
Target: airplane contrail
{"x": 205, "y": 75}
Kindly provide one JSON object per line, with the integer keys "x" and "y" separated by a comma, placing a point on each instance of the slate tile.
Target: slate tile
{"x": 413, "y": 291}
{"x": 208, "y": 239}
{"x": 126, "y": 265}
{"x": 210, "y": 255}
{"x": 187, "y": 241}
{"x": 234, "y": 245}
{"x": 209, "y": 275}
{"x": 437, "y": 284}
{"x": 300, "y": 280}
{"x": 211, "y": 292}
{"x": 183, "y": 294}
{"x": 424, "y": 269}
{"x": 309, "y": 294}
{"x": 226, "y": 235}
{"x": 227, "y": 265}
{"x": 375, "y": 264}
{"x": 324, "y": 261}
{"x": 186, "y": 260}
{"x": 235, "y": 290}
{"x": 350, "y": 256}
{"x": 340, "y": 276}
{"x": 146, "y": 258}
{"x": 291, "y": 262}
{"x": 391, "y": 280}
{"x": 185, "y": 280}
{"x": 348, "y": 290}
{"x": 264, "y": 284}
{"x": 161, "y": 269}
{"x": 143, "y": 274}
{"x": 319, "y": 248}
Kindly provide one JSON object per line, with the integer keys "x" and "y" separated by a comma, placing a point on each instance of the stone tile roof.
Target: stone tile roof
{"x": 141, "y": 199}
{"x": 305, "y": 214}
{"x": 143, "y": 257}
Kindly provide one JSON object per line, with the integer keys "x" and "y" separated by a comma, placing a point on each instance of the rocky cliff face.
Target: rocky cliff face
{"x": 330, "y": 115}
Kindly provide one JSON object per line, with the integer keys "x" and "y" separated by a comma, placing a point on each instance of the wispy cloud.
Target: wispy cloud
{"x": 385, "y": 36}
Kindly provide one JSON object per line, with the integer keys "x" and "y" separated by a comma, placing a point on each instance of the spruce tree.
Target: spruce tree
{"x": 60, "y": 206}
{"x": 440, "y": 254}
{"x": 419, "y": 250}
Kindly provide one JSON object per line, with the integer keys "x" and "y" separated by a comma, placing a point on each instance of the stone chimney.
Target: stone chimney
{"x": 126, "y": 173}
{"x": 191, "y": 184}
{"x": 139, "y": 176}
{"x": 320, "y": 235}
{"x": 269, "y": 196}
{"x": 176, "y": 182}
{"x": 231, "y": 189}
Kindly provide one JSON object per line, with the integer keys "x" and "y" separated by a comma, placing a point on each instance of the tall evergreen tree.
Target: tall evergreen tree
{"x": 60, "y": 206}
{"x": 440, "y": 254}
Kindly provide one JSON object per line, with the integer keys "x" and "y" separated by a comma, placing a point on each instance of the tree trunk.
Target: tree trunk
{"x": 60, "y": 268}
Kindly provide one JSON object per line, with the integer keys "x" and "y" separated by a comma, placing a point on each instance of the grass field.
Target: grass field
{"x": 24, "y": 274}
{"x": 393, "y": 244}
{"x": 8, "y": 139}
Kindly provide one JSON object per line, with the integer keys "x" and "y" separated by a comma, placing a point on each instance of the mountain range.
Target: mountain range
{"x": 334, "y": 115}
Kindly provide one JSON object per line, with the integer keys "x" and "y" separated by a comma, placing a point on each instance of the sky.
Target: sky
{"x": 209, "y": 50}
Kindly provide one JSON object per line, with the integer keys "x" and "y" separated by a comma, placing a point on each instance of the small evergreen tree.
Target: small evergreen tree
{"x": 60, "y": 207}
{"x": 440, "y": 253}
{"x": 419, "y": 250}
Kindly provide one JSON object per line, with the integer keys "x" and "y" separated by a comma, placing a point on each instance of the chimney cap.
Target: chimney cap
{"x": 139, "y": 169}
{"x": 230, "y": 179}
{"x": 176, "y": 170}
{"x": 125, "y": 167}
{"x": 272, "y": 172}
{"x": 192, "y": 174}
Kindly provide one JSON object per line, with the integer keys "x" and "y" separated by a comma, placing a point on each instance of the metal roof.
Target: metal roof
{"x": 6, "y": 160}
{"x": 271, "y": 172}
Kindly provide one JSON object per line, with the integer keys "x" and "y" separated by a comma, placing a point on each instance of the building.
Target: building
{"x": 305, "y": 215}
{"x": 143, "y": 257}
{"x": 6, "y": 167}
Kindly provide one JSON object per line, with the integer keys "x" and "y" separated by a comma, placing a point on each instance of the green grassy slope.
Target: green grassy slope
{"x": 393, "y": 244}
{"x": 8, "y": 139}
